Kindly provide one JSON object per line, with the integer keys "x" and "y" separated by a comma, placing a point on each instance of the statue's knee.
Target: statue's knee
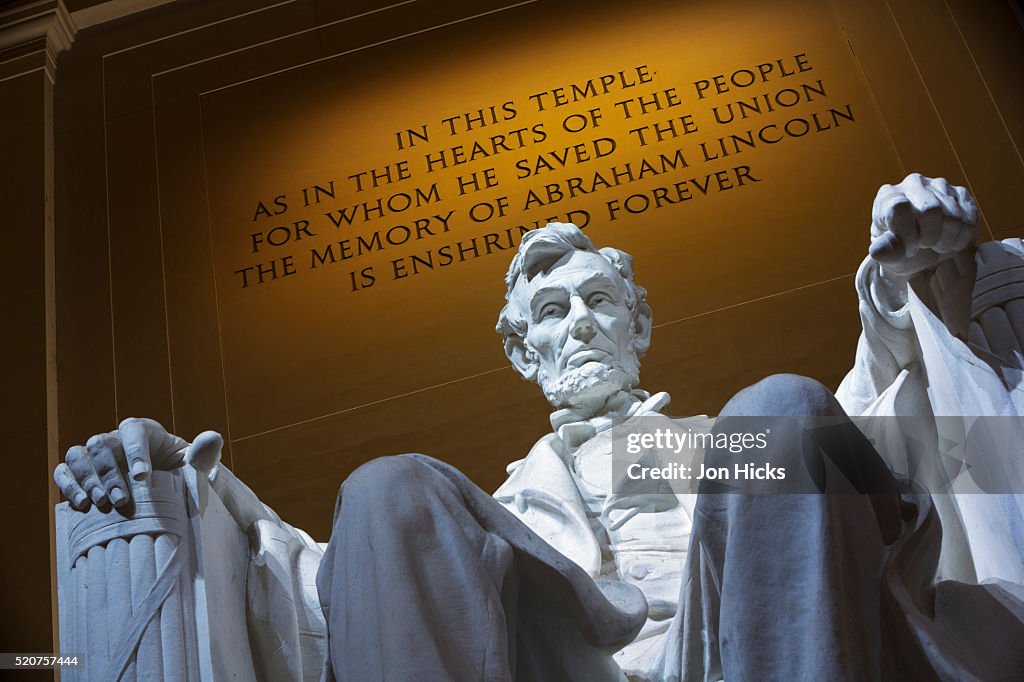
{"x": 388, "y": 483}
{"x": 784, "y": 395}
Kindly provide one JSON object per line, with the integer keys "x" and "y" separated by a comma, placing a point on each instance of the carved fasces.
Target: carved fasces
{"x": 998, "y": 301}
{"x": 150, "y": 563}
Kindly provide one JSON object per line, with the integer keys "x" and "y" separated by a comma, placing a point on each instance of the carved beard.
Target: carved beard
{"x": 588, "y": 387}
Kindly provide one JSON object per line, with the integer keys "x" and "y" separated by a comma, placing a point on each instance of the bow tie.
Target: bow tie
{"x": 575, "y": 428}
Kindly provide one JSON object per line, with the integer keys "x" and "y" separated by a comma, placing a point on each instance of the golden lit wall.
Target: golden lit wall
{"x": 223, "y": 261}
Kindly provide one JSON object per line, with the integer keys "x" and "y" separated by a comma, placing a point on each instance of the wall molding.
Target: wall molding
{"x": 111, "y": 11}
{"x": 43, "y": 28}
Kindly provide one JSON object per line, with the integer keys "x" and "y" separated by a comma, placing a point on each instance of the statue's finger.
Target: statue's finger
{"x": 929, "y": 223}
{"x": 135, "y": 441}
{"x": 69, "y": 487}
{"x": 204, "y": 453}
{"x": 918, "y": 190}
{"x": 951, "y": 229}
{"x": 965, "y": 237}
{"x": 886, "y": 195}
{"x": 887, "y": 249}
{"x": 968, "y": 206}
{"x": 920, "y": 193}
{"x": 939, "y": 185}
{"x": 912, "y": 183}
{"x": 107, "y": 460}
{"x": 111, "y": 441}
{"x": 80, "y": 463}
{"x": 146, "y": 442}
{"x": 876, "y": 230}
{"x": 942, "y": 191}
{"x": 901, "y": 220}
{"x": 947, "y": 196}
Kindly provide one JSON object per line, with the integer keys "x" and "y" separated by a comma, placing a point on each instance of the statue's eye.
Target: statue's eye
{"x": 597, "y": 298}
{"x": 549, "y": 310}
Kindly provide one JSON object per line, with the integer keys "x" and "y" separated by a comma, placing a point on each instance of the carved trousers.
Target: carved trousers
{"x": 834, "y": 579}
{"x": 426, "y": 577}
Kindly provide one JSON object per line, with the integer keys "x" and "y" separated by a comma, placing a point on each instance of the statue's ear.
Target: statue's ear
{"x": 522, "y": 359}
{"x": 642, "y": 323}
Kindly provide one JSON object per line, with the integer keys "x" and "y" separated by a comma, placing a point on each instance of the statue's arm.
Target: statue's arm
{"x": 243, "y": 504}
{"x": 923, "y": 232}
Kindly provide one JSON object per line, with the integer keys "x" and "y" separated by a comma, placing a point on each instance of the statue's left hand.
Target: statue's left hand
{"x": 95, "y": 472}
{"x": 920, "y": 223}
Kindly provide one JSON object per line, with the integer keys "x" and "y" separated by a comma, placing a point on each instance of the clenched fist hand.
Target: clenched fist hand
{"x": 919, "y": 223}
{"x": 922, "y": 235}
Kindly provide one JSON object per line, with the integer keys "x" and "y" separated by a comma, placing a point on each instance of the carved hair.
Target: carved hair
{"x": 540, "y": 251}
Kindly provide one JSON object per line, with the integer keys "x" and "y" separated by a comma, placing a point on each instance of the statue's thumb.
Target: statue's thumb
{"x": 887, "y": 249}
{"x": 204, "y": 453}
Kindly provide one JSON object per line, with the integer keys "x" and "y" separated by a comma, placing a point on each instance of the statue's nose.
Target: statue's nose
{"x": 582, "y": 321}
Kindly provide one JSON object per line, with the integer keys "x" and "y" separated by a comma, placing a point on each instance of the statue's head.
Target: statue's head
{"x": 575, "y": 322}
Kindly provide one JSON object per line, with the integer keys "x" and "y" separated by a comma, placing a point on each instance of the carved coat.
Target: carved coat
{"x": 563, "y": 493}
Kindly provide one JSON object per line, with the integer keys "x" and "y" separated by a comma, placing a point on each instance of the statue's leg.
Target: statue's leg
{"x": 427, "y": 577}
{"x": 413, "y": 587}
{"x": 798, "y": 575}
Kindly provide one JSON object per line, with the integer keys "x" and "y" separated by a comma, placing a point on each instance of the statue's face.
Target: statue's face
{"x": 580, "y": 331}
